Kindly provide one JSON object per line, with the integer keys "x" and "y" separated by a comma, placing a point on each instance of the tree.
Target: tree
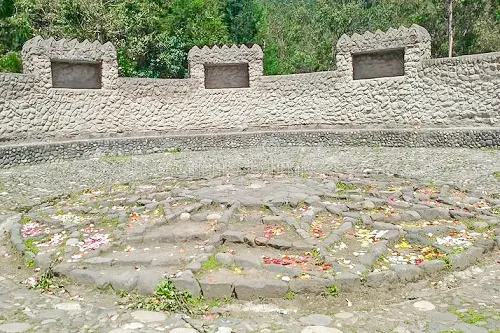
{"x": 153, "y": 37}
{"x": 450, "y": 28}
{"x": 242, "y": 18}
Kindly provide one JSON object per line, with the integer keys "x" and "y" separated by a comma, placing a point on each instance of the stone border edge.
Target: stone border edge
{"x": 12, "y": 154}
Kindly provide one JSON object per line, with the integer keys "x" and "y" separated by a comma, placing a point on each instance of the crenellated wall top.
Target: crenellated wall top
{"x": 390, "y": 39}
{"x": 226, "y": 54}
{"x": 68, "y": 49}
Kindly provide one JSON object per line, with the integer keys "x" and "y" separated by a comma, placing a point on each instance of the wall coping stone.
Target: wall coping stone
{"x": 392, "y": 38}
{"x": 469, "y": 58}
{"x": 40, "y": 152}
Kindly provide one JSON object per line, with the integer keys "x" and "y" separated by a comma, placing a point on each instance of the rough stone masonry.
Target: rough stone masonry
{"x": 460, "y": 92}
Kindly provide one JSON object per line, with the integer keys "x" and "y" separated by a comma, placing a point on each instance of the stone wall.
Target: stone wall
{"x": 18, "y": 154}
{"x": 433, "y": 93}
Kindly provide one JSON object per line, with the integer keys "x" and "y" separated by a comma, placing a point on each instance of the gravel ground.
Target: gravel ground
{"x": 469, "y": 168}
{"x": 466, "y": 301}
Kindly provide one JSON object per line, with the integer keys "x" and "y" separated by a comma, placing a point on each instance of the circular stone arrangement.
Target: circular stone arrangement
{"x": 259, "y": 236}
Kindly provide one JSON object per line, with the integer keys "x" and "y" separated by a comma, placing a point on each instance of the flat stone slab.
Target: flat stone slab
{"x": 320, "y": 329}
{"x": 68, "y": 306}
{"x": 184, "y": 330}
{"x": 344, "y": 315}
{"x": 253, "y": 289}
{"x": 14, "y": 327}
{"x": 133, "y": 326}
{"x": 148, "y": 316}
{"x": 424, "y": 306}
{"x": 316, "y": 319}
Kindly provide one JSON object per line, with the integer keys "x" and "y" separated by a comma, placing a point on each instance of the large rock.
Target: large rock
{"x": 424, "y": 306}
{"x": 220, "y": 288}
{"x": 384, "y": 279}
{"x": 199, "y": 217}
{"x": 433, "y": 266}
{"x": 486, "y": 244}
{"x": 234, "y": 236}
{"x": 384, "y": 226}
{"x": 312, "y": 286}
{"x": 253, "y": 289}
{"x": 225, "y": 258}
{"x": 346, "y": 281}
{"x": 70, "y": 306}
{"x": 407, "y": 273}
{"x": 434, "y": 213}
{"x": 88, "y": 276}
{"x": 186, "y": 282}
{"x": 213, "y": 217}
{"x": 248, "y": 261}
{"x": 461, "y": 261}
{"x": 279, "y": 244}
{"x": 280, "y": 269}
{"x": 147, "y": 281}
{"x": 124, "y": 281}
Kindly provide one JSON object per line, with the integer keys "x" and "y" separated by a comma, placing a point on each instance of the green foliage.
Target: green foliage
{"x": 469, "y": 316}
{"x": 167, "y": 298}
{"x": 210, "y": 264}
{"x": 290, "y": 295}
{"x": 331, "y": 291}
{"x": 447, "y": 262}
{"x": 25, "y": 219}
{"x": 30, "y": 246}
{"x": 29, "y": 263}
{"x": 172, "y": 150}
{"x": 153, "y": 37}
{"x": 242, "y": 18}
{"x": 11, "y": 62}
{"x": 46, "y": 280}
{"x": 341, "y": 186}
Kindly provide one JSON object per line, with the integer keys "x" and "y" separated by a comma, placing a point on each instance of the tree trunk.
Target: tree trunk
{"x": 450, "y": 28}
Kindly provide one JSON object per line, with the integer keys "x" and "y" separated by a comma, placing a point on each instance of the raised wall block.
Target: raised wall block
{"x": 70, "y": 64}
{"x": 234, "y": 66}
{"x": 227, "y": 92}
{"x": 414, "y": 41}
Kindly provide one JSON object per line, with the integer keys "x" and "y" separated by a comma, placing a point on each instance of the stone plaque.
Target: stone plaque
{"x": 384, "y": 63}
{"x": 76, "y": 75}
{"x": 220, "y": 76}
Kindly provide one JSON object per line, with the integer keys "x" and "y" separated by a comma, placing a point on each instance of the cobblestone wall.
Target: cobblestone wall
{"x": 456, "y": 92}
